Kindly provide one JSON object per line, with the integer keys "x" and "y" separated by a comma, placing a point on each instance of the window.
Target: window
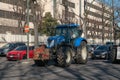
{"x": 69, "y": 14}
{"x": 70, "y": 4}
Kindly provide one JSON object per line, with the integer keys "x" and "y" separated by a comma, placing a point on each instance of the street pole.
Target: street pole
{"x": 103, "y": 23}
{"x": 54, "y": 8}
{"x": 86, "y": 14}
{"x": 66, "y": 11}
{"x": 27, "y": 21}
{"x": 80, "y": 14}
{"x": 112, "y": 22}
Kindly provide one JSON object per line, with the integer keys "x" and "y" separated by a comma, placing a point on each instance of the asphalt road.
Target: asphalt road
{"x": 26, "y": 70}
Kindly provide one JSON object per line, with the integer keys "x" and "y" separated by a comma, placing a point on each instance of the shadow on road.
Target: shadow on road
{"x": 93, "y": 70}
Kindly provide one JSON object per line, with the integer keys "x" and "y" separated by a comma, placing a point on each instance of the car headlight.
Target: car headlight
{"x": 104, "y": 53}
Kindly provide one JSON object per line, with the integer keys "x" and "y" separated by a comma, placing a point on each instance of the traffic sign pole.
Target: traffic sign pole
{"x": 27, "y": 25}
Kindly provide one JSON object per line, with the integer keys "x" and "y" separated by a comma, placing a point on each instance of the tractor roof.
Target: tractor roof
{"x": 67, "y": 25}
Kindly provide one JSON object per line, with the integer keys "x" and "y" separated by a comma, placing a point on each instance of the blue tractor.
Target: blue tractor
{"x": 65, "y": 46}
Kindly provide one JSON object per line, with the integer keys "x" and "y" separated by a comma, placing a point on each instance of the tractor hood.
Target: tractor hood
{"x": 55, "y": 40}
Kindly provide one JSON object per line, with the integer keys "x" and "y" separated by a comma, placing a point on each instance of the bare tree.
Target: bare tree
{"x": 19, "y": 9}
{"x": 37, "y": 10}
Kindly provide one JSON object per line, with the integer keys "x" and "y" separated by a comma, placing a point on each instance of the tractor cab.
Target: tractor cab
{"x": 70, "y": 31}
{"x": 64, "y": 33}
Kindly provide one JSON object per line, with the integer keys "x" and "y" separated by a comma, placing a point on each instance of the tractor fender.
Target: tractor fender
{"x": 77, "y": 41}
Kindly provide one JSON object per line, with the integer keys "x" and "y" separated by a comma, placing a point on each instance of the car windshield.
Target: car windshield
{"x": 101, "y": 48}
{"x": 31, "y": 47}
{"x": 110, "y": 43}
{"x": 21, "y": 48}
{"x": 6, "y": 45}
{"x": 24, "y": 48}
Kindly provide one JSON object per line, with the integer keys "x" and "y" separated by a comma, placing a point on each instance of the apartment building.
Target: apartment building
{"x": 99, "y": 27}
{"x": 12, "y": 17}
{"x": 93, "y": 17}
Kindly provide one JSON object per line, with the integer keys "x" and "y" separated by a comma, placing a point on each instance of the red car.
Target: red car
{"x": 20, "y": 53}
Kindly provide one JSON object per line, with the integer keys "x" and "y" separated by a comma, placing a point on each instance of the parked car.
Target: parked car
{"x": 110, "y": 43}
{"x": 91, "y": 48}
{"x": 9, "y": 47}
{"x": 101, "y": 51}
{"x": 20, "y": 53}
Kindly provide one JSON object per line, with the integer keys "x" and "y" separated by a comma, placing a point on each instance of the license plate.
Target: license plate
{"x": 97, "y": 55}
{"x": 11, "y": 56}
{"x": 103, "y": 56}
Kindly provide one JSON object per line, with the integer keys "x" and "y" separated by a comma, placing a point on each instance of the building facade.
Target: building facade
{"x": 12, "y": 16}
{"x": 94, "y": 17}
{"x": 99, "y": 27}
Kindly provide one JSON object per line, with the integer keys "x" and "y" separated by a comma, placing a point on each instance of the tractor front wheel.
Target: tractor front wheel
{"x": 64, "y": 57}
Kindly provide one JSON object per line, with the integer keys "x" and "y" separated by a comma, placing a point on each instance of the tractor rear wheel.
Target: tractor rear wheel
{"x": 113, "y": 55}
{"x": 64, "y": 57}
{"x": 82, "y": 54}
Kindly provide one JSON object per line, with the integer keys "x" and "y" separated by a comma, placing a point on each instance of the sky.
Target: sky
{"x": 109, "y": 2}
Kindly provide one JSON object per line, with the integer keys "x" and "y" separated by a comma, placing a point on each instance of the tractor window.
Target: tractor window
{"x": 61, "y": 31}
{"x": 68, "y": 32}
{"x": 74, "y": 33}
{"x": 64, "y": 31}
{"x": 58, "y": 31}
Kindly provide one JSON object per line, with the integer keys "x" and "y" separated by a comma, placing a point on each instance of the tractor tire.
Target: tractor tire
{"x": 64, "y": 57}
{"x": 82, "y": 54}
{"x": 113, "y": 55}
{"x": 40, "y": 62}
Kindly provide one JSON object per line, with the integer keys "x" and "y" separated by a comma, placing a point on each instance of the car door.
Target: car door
{"x": 31, "y": 51}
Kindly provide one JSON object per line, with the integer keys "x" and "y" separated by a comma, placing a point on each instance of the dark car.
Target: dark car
{"x": 10, "y": 46}
{"x": 91, "y": 47}
{"x": 101, "y": 51}
{"x": 110, "y": 43}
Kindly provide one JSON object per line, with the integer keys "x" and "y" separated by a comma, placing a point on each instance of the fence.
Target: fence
{"x": 4, "y": 38}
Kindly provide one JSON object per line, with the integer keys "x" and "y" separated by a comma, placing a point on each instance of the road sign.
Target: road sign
{"x": 26, "y": 29}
